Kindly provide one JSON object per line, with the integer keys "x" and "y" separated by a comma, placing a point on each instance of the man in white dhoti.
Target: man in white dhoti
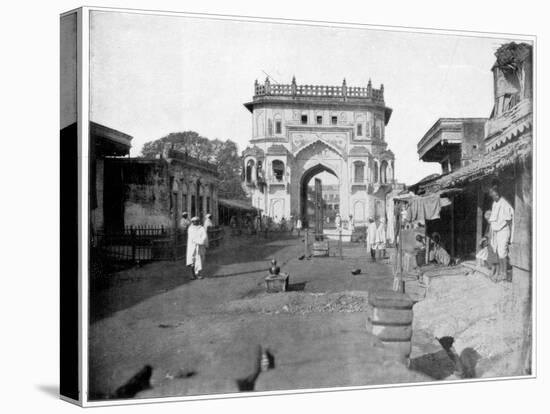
{"x": 338, "y": 221}
{"x": 371, "y": 238}
{"x": 381, "y": 238}
{"x": 502, "y": 214}
{"x": 208, "y": 221}
{"x": 197, "y": 239}
{"x": 299, "y": 225}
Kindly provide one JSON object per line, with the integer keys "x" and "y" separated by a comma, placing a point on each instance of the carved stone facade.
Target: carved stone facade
{"x": 299, "y": 131}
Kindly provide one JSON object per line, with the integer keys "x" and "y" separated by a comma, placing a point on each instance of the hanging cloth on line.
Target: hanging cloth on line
{"x": 425, "y": 208}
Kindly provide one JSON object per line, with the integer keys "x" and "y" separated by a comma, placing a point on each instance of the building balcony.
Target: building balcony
{"x": 273, "y": 181}
{"x": 500, "y": 129}
{"x": 446, "y": 137}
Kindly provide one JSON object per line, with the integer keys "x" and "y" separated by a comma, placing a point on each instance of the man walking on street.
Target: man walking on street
{"x": 372, "y": 232}
{"x": 381, "y": 238}
{"x": 197, "y": 239}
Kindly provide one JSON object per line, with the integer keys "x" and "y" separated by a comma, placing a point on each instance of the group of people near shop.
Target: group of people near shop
{"x": 493, "y": 250}
{"x": 375, "y": 234}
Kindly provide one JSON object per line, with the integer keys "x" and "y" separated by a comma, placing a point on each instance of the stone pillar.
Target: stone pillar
{"x": 205, "y": 194}
{"x": 345, "y": 190}
{"x": 479, "y": 215}
{"x": 521, "y": 261}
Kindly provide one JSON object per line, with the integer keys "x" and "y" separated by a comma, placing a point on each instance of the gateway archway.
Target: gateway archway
{"x": 300, "y": 131}
{"x": 316, "y": 202}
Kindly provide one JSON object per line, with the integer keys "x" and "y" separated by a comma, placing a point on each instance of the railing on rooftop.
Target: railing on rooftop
{"x": 323, "y": 91}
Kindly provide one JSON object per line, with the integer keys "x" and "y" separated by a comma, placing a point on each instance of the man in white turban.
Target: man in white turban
{"x": 197, "y": 240}
{"x": 184, "y": 222}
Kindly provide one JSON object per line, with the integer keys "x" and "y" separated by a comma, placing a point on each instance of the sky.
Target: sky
{"x": 152, "y": 75}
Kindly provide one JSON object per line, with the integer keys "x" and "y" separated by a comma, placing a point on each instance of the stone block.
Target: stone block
{"x": 277, "y": 283}
{"x": 392, "y": 316}
{"x": 392, "y": 332}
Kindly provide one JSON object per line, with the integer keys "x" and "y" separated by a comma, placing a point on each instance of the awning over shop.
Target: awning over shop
{"x": 491, "y": 163}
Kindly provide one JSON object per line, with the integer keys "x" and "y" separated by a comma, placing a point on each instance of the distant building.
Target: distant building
{"x": 453, "y": 142}
{"x": 331, "y": 197}
{"x": 299, "y": 131}
{"x": 155, "y": 192}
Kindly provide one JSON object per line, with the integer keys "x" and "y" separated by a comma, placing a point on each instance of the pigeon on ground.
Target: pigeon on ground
{"x": 302, "y": 257}
{"x": 356, "y": 271}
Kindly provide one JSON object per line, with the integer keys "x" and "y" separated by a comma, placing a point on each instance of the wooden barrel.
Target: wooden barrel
{"x": 389, "y": 318}
{"x": 320, "y": 249}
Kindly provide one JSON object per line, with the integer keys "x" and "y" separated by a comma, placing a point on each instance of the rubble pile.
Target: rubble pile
{"x": 301, "y": 303}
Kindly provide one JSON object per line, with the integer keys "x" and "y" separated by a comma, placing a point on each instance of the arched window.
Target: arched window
{"x": 359, "y": 171}
{"x": 384, "y": 172}
{"x": 249, "y": 168}
{"x": 375, "y": 175}
{"x": 278, "y": 168}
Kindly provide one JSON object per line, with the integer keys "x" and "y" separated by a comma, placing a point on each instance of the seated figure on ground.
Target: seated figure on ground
{"x": 438, "y": 254}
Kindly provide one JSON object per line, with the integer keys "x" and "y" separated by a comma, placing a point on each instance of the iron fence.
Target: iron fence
{"x": 135, "y": 244}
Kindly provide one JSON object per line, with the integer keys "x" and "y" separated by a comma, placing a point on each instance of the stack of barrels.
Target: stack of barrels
{"x": 389, "y": 318}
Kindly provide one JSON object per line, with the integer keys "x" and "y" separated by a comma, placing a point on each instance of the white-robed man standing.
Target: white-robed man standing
{"x": 502, "y": 214}
{"x": 207, "y": 224}
{"x": 372, "y": 231}
{"x": 197, "y": 239}
{"x": 381, "y": 238}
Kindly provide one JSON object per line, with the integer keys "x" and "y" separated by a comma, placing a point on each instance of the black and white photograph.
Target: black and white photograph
{"x": 284, "y": 206}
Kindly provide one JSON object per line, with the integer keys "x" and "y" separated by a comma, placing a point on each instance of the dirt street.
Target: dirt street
{"x": 200, "y": 336}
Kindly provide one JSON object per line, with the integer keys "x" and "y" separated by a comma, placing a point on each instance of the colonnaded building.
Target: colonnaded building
{"x": 299, "y": 131}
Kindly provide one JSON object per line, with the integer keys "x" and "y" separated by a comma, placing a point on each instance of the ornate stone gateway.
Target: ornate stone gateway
{"x": 299, "y": 131}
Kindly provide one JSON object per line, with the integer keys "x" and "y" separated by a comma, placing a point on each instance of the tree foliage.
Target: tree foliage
{"x": 224, "y": 154}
